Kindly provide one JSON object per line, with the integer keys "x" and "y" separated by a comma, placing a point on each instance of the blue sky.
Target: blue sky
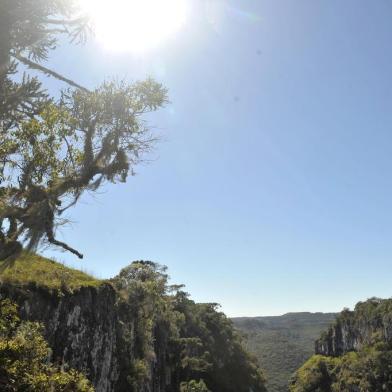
{"x": 271, "y": 189}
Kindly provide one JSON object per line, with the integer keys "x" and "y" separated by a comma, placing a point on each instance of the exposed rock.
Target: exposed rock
{"x": 354, "y": 329}
{"x": 85, "y": 330}
{"x": 81, "y": 328}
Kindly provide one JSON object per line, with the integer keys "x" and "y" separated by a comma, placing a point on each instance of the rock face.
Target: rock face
{"x": 370, "y": 321}
{"x": 85, "y": 330}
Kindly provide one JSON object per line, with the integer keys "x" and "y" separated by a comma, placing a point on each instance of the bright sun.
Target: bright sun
{"x": 135, "y": 25}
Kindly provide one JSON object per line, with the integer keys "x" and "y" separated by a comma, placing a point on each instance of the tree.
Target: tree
{"x": 53, "y": 150}
{"x": 212, "y": 350}
{"x": 315, "y": 375}
{"x": 194, "y": 386}
{"x": 198, "y": 347}
{"x": 366, "y": 370}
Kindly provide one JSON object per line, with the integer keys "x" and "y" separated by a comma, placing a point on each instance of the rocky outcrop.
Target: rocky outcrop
{"x": 89, "y": 330}
{"x": 370, "y": 321}
{"x": 81, "y": 327}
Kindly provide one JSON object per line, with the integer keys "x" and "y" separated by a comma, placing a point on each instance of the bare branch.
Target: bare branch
{"x": 65, "y": 22}
{"x": 63, "y": 245}
{"x": 49, "y": 72}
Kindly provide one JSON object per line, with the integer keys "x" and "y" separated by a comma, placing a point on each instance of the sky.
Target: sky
{"x": 271, "y": 188}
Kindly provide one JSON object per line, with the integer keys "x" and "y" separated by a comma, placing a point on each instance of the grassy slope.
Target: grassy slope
{"x": 44, "y": 272}
{"x": 282, "y": 344}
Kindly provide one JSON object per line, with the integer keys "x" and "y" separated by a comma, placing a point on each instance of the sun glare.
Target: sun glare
{"x": 135, "y": 25}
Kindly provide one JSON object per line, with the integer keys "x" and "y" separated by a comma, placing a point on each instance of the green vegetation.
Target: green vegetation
{"x": 31, "y": 268}
{"x": 24, "y": 357}
{"x": 359, "y": 353}
{"x": 200, "y": 342}
{"x": 194, "y": 386}
{"x": 368, "y": 370}
{"x": 282, "y": 344}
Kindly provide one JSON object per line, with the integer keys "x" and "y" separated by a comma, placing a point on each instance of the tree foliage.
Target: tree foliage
{"x": 53, "y": 150}
{"x": 368, "y": 370}
{"x": 194, "y": 386}
{"x": 24, "y": 354}
{"x": 198, "y": 342}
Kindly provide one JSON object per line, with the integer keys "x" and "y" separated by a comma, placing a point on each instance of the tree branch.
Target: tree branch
{"x": 63, "y": 245}
{"x": 48, "y": 72}
{"x": 65, "y": 21}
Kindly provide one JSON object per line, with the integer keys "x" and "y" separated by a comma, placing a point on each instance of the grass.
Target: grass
{"x": 31, "y": 268}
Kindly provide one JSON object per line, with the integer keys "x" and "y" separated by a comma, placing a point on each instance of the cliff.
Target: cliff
{"x": 132, "y": 333}
{"x": 354, "y": 354}
{"x": 356, "y": 329}
{"x": 81, "y": 327}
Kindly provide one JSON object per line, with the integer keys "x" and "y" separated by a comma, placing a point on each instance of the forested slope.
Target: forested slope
{"x": 282, "y": 343}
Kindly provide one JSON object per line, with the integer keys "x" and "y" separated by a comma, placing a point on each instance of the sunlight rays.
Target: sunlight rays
{"x": 135, "y": 25}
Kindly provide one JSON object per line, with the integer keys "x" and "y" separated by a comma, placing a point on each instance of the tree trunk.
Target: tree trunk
{"x": 10, "y": 249}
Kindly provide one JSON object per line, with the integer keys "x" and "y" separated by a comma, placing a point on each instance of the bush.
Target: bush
{"x": 194, "y": 386}
{"x": 369, "y": 370}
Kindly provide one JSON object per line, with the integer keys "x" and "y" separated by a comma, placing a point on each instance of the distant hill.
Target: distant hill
{"x": 283, "y": 343}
